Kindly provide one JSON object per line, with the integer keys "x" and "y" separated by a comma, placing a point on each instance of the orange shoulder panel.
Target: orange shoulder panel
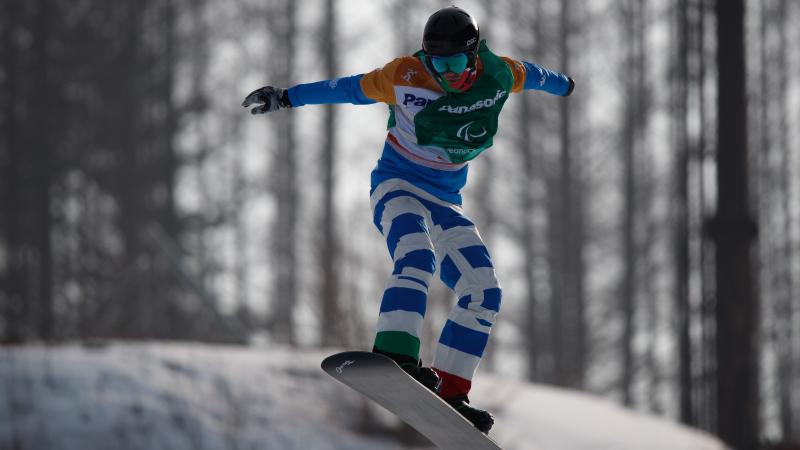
{"x": 518, "y": 70}
{"x": 379, "y": 84}
{"x": 403, "y": 71}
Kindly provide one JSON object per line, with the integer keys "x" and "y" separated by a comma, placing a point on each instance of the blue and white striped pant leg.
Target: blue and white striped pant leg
{"x": 467, "y": 269}
{"x": 405, "y": 223}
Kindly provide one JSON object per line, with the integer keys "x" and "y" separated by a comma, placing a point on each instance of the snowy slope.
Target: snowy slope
{"x": 186, "y": 396}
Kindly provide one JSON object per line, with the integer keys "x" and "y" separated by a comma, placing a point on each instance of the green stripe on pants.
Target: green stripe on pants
{"x": 398, "y": 342}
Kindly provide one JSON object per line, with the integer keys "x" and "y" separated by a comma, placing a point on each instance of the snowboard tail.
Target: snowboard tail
{"x": 383, "y": 381}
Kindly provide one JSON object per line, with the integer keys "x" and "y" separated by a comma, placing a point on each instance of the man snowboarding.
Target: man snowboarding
{"x": 444, "y": 103}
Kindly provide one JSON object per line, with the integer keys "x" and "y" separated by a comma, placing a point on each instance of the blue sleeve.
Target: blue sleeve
{"x": 338, "y": 90}
{"x": 543, "y": 79}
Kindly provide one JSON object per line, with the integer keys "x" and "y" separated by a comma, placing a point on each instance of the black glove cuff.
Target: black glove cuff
{"x": 284, "y": 101}
{"x": 571, "y": 87}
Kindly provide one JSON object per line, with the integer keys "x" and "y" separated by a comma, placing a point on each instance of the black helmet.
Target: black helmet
{"x": 449, "y": 31}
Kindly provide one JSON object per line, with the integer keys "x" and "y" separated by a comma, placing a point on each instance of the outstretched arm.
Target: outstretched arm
{"x": 544, "y": 79}
{"x": 528, "y": 75}
{"x": 339, "y": 90}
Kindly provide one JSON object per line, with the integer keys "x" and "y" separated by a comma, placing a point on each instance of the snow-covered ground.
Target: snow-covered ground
{"x": 189, "y": 396}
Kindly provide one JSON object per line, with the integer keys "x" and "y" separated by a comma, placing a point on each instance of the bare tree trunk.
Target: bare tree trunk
{"x": 629, "y": 135}
{"x": 788, "y": 292}
{"x": 647, "y": 219}
{"x": 629, "y": 277}
{"x": 15, "y": 304}
{"x": 331, "y": 334}
{"x": 705, "y": 387}
{"x": 734, "y": 232}
{"x": 566, "y": 210}
{"x": 794, "y": 313}
{"x": 286, "y": 191}
{"x": 681, "y": 214}
{"x": 771, "y": 201}
{"x": 167, "y": 214}
{"x": 166, "y": 161}
{"x": 572, "y": 246}
{"x": 555, "y": 346}
{"x": 564, "y": 234}
{"x": 127, "y": 179}
{"x": 529, "y": 150}
{"x": 42, "y": 168}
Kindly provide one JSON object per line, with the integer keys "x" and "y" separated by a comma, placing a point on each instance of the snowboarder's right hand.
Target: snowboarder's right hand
{"x": 270, "y": 99}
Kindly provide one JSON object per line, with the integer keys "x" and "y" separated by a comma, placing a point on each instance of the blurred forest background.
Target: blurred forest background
{"x": 646, "y": 230}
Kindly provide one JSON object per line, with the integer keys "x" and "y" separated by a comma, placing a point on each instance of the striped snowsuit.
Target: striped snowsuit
{"x": 416, "y": 200}
{"x": 422, "y": 232}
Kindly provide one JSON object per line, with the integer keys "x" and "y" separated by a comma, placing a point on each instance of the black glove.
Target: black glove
{"x": 571, "y": 87}
{"x": 270, "y": 98}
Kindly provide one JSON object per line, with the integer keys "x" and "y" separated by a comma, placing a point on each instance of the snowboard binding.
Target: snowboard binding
{"x": 425, "y": 375}
{"x": 482, "y": 420}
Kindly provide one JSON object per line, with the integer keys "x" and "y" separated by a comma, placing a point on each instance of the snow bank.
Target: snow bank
{"x": 191, "y": 396}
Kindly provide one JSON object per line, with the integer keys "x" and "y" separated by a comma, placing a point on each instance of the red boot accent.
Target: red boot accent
{"x": 452, "y": 385}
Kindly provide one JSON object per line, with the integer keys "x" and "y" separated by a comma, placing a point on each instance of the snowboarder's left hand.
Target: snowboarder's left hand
{"x": 270, "y": 99}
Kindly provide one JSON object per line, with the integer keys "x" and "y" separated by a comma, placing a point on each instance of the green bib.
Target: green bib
{"x": 464, "y": 123}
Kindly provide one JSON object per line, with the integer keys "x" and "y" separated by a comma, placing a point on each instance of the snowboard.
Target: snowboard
{"x": 383, "y": 381}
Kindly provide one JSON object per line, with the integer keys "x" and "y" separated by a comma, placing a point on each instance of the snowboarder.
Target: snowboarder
{"x": 444, "y": 102}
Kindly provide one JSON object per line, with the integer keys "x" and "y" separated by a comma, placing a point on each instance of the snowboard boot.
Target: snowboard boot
{"x": 482, "y": 420}
{"x": 424, "y": 375}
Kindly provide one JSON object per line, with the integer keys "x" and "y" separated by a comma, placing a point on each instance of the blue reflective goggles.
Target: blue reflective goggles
{"x": 452, "y": 63}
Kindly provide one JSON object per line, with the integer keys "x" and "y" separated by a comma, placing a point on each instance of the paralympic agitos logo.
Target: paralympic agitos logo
{"x": 465, "y": 133}
{"x": 480, "y": 104}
